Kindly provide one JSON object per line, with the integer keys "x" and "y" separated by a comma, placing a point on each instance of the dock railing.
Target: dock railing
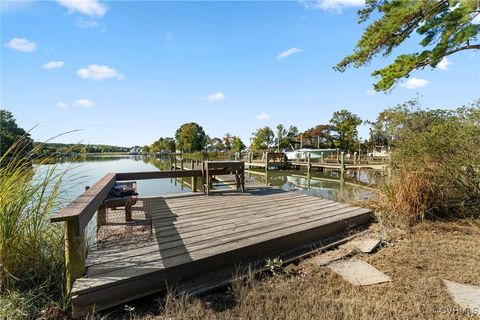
{"x": 77, "y": 214}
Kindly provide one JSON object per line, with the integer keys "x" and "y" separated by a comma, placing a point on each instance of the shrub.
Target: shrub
{"x": 435, "y": 166}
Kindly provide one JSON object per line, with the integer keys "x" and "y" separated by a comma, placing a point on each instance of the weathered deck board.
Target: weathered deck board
{"x": 194, "y": 234}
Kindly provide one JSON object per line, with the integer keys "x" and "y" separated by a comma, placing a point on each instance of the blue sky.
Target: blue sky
{"x": 127, "y": 73}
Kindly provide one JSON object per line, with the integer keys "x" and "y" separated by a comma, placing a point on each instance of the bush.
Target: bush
{"x": 435, "y": 166}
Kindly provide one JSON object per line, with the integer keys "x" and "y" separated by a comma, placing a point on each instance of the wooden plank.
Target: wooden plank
{"x": 158, "y": 174}
{"x": 201, "y": 250}
{"x": 221, "y": 222}
{"x": 135, "y": 287}
{"x": 85, "y": 206}
{"x": 172, "y": 239}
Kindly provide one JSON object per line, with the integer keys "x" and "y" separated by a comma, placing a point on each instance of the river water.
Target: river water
{"x": 86, "y": 170}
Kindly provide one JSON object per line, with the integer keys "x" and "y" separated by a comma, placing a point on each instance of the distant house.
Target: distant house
{"x": 136, "y": 150}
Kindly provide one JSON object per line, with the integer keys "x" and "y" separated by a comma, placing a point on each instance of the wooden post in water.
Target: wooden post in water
{"x": 74, "y": 253}
{"x": 342, "y": 165}
{"x": 308, "y": 162}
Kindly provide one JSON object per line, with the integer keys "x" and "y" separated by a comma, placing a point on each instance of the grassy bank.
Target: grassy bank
{"x": 31, "y": 248}
{"x": 416, "y": 261}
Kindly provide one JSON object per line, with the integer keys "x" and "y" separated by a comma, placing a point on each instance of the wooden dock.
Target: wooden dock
{"x": 173, "y": 238}
{"x": 274, "y": 160}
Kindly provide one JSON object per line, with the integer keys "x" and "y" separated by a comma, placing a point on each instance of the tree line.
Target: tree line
{"x": 340, "y": 132}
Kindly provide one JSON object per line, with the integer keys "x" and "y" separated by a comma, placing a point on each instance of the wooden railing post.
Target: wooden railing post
{"x": 101, "y": 217}
{"x": 191, "y": 165}
{"x": 194, "y": 184}
{"x": 355, "y": 157}
{"x": 74, "y": 252}
{"x": 321, "y": 157}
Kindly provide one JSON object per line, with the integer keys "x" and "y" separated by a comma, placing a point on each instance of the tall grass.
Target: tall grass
{"x": 31, "y": 248}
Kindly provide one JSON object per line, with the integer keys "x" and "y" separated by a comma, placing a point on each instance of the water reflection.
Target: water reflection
{"x": 358, "y": 184}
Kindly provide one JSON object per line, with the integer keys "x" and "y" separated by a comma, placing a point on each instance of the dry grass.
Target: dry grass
{"x": 430, "y": 252}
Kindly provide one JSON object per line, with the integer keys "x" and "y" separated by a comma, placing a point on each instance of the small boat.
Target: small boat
{"x": 301, "y": 154}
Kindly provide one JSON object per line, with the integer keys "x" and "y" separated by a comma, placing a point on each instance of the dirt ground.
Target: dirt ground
{"x": 416, "y": 260}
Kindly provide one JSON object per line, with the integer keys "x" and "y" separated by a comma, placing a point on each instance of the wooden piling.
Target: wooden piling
{"x": 309, "y": 165}
{"x": 74, "y": 253}
{"x": 342, "y": 165}
{"x": 355, "y": 157}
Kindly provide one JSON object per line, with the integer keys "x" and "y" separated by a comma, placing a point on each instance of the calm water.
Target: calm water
{"x": 86, "y": 170}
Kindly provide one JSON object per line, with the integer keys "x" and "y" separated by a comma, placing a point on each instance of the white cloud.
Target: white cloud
{"x": 21, "y": 44}
{"x": 62, "y": 105}
{"x": 92, "y": 8}
{"x": 263, "y": 116}
{"x": 85, "y": 24}
{"x": 97, "y": 72}
{"x": 443, "y": 64}
{"x": 414, "y": 83}
{"x": 332, "y": 5}
{"x": 214, "y": 97}
{"x": 289, "y": 52}
{"x": 53, "y": 65}
{"x": 83, "y": 103}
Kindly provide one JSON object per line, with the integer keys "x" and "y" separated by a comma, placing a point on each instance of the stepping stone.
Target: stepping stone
{"x": 367, "y": 245}
{"x": 466, "y": 296}
{"x": 358, "y": 273}
{"x": 330, "y": 256}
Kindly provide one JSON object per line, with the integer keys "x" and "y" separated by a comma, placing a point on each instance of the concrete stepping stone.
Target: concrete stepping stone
{"x": 330, "y": 256}
{"x": 358, "y": 273}
{"x": 366, "y": 245}
{"x": 466, "y": 296}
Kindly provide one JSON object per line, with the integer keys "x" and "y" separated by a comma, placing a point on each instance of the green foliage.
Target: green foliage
{"x": 31, "y": 248}
{"x": 435, "y": 162}
{"x": 274, "y": 265}
{"x": 11, "y": 132}
{"x": 237, "y": 144}
{"x": 262, "y": 139}
{"x": 345, "y": 124}
{"x": 445, "y": 25}
{"x": 190, "y": 137}
{"x": 163, "y": 144}
{"x": 50, "y": 148}
{"x": 215, "y": 144}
